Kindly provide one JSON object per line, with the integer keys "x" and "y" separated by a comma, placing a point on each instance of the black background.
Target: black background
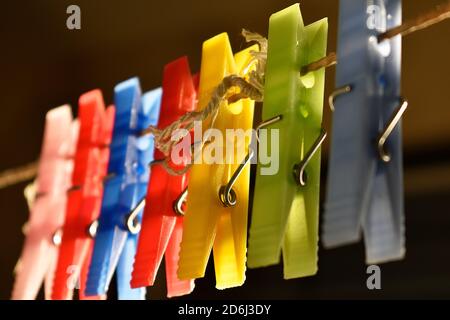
{"x": 44, "y": 65}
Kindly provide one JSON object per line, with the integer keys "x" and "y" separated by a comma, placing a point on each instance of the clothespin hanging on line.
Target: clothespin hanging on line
{"x": 85, "y": 196}
{"x": 365, "y": 184}
{"x": 43, "y": 233}
{"x": 218, "y": 188}
{"x": 162, "y": 224}
{"x": 119, "y": 224}
{"x": 286, "y": 198}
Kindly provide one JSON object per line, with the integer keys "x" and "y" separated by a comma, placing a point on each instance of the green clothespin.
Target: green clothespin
{"x": 286, "y": 201}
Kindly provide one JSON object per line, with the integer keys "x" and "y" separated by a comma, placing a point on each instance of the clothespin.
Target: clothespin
{"x": 43, "y": 233}
{"x": 217, "y": 199}
{"x": 162, "y": 224}
{"x": 119, "y": 225}
{"x": 286, "y": 197}
{"x": 84, "y": 197}
{"x": 365, "y": 188}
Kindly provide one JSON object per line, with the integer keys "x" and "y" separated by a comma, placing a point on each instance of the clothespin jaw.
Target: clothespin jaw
{"x": 285, "y": 213}
{"x": 162, "y": 226}
{"x": 365, "y": 190}
{"x": 115, "y": 242}
{"x": 207, "y": 222}
{"x": 40, "y": 251}
{"x": 84, "y": 196}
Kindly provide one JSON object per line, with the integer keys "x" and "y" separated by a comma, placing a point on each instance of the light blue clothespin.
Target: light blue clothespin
{"x": 116, "y": 238}
{"x": 365, "y": 179}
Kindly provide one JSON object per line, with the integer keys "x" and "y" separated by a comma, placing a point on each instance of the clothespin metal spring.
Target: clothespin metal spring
{"x": 57, "y": 237}
{"x": 92, "y": 228}
{"x": 392, "y": 123}
{"x": 132, "y": 224}
{"x": 299, "y": 169}
{"x": 267, "y": 123}
{"x": 390, "y": 126}
{"x": 178, "y": 203}
{"x": 336, "y": 93}
{"x": 227, "y": 195}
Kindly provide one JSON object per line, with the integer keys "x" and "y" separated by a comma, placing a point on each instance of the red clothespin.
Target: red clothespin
{"x": 43, "y": 234}
{"x": 162, "y": 223}
{"x": 85, "y": 196}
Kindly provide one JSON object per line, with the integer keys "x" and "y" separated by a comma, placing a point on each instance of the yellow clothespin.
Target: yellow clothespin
{"x": 217, "y": 202}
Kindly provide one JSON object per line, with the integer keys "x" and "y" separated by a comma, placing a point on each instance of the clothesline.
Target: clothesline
{"x": 440, "y": 13}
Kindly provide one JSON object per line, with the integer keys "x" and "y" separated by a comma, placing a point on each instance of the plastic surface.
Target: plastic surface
{"x": 115, "y": 246}
{"x": 162, "y": 227}
{"x": 285, "y": 215}
{"x": 364, "y": 192}
{"x": 207, "y": 223}
{"x": 39, "y": 254}
{"x": 85, "y": 196}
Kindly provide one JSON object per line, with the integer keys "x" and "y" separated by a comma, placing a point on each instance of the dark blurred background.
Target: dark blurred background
{"x": 44, "y": 65}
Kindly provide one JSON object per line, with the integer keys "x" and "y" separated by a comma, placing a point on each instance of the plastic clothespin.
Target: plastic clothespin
{"x": 286, "y": 197}
{"x": 119, "y": 224}
{"x": 38, "y": 258}
{"x": 162, "y": 223}
{"x": 85, "y": 196}
{"x": 208, "y": 221}
{"x": 365, "y": 189}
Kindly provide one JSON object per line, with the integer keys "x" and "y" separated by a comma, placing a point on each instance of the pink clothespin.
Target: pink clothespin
{"x": 43, "y": 233}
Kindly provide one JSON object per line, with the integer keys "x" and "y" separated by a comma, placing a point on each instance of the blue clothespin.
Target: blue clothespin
{"x": 116, "y": 238}
{"x": 365, "y": 182}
